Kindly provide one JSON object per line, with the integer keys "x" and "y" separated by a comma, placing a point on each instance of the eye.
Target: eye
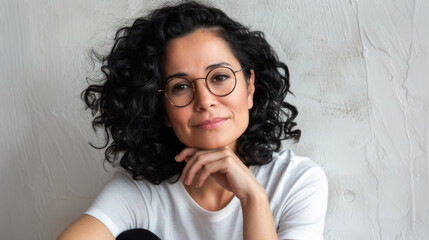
{"x": 220, "y": 78}
{"x": 178, "y": 88}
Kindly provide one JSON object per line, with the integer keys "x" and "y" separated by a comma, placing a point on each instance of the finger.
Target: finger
{"x": 199, "y": 160}
{"x": 185, "y": 154}
{"x": 207, "y": 170}
{"x": 190, "y": 164}
{"x": 188, "y": 154}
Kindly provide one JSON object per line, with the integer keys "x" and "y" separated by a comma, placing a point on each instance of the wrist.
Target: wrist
{"x": 255, "y": 198}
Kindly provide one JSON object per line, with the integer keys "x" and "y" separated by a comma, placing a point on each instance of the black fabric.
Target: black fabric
{"x": 137, "y": 234}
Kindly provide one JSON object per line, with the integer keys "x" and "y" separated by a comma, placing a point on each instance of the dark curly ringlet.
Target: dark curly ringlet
{"x": 126, "y": 104}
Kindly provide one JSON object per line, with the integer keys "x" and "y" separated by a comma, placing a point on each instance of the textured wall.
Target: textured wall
{"x": 359, "y": 72}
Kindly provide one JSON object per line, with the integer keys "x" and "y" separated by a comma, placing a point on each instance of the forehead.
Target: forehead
{"x": 194, "y": 52}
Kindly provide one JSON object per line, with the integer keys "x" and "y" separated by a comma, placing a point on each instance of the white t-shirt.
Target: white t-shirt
{"x": 296, "y": 187}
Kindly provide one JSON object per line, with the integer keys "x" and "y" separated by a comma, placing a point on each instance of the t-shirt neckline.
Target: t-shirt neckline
{"x": 211, "y": 216}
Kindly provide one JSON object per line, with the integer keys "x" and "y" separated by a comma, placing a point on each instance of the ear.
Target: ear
{"x": 250, "y": 89}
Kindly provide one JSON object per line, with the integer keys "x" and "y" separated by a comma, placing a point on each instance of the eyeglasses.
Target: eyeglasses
{"x": 220, "y": 81}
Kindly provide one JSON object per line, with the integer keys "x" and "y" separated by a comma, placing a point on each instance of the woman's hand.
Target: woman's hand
{"x": 229, "y": 172}
{"x": 224, "y": 167}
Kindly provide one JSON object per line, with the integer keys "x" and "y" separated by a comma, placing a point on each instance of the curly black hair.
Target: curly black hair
{"x": 126, "y": 104}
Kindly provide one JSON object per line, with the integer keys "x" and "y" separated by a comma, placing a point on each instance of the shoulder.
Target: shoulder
{"x": 122, "y": 182}
{"x": 288, "y": 166}
{"x": 125, "y": 203}
{"x": 290, "y": 178}
{"x": 124, "y": 194}
{"x": 297, "y": 189}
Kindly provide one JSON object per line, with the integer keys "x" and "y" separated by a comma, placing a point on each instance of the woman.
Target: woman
{"x": 194, "y": 102}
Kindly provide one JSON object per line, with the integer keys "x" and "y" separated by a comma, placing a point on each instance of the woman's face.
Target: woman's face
{"x": 209, "y": 121}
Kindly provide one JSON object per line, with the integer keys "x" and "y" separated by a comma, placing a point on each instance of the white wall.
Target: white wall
{"x": 359, "y": 70}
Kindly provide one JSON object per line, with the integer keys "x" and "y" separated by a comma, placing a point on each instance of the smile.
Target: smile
{"x": 211, "y": 124}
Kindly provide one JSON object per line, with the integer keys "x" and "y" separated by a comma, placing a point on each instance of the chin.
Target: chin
{"x": 210, "y": 141}
{"x": 209, "y": 144}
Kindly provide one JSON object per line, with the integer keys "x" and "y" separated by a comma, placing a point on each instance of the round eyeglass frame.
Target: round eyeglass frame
{"x": 205, "y": 81}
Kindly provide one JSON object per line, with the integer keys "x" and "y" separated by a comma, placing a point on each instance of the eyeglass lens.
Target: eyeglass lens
{"x": 220, "y": 81}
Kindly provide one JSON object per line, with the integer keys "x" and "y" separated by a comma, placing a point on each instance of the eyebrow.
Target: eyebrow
{"x": 208, "y": 68}
{"x": 215, "y": 65}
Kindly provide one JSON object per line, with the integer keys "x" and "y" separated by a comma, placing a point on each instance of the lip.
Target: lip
{"x": 211, "y": 123}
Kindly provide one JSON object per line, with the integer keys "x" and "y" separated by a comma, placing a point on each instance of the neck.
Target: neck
{"x": 210, "y": 196}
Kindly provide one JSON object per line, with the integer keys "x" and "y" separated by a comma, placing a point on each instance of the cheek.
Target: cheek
{"x": 178, "y": 119}
{"x": 238, "y": 104}
{"x": 241, "y": 100}
{"x": 179, "y": 122}
{"x": 174, "y": 117}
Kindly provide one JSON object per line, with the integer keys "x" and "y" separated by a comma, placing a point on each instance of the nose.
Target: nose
{"x": 203, "y": 99}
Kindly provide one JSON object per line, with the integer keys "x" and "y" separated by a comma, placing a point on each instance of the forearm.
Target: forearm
{"x": 258, "y": 220}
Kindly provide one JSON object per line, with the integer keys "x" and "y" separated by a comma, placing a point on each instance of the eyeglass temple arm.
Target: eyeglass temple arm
{"x": 244, "y": 68}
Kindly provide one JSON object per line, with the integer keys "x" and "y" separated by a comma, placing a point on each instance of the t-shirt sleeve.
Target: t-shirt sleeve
{"x": 116, "y": 205}
{"x": 304, "y": 209}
